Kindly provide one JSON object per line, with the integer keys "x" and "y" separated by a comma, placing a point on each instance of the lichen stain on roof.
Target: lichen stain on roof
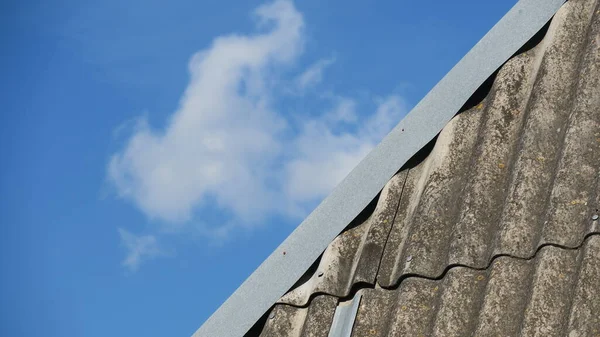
{"x": 515, "y": 172}
{"x": 313, "y": 321}
{"x": 553, "y": 293}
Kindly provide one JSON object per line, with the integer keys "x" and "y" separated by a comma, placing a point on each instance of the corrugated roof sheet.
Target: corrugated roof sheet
{"x": 514, "y": 173}
{"x": 554, "y": 293}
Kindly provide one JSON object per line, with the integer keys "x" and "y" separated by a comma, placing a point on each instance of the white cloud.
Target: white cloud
{"x": 225, "y": 149}
{"x": 344, "y": 111}
{"x": 314, "y": 74}
{"x": 223, "y": 137}
{"x": 326, "y": 157}
{"x": 138, "y": 248}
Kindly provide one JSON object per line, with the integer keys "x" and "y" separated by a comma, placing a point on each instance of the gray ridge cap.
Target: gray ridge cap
{"x": 280, "y": 271}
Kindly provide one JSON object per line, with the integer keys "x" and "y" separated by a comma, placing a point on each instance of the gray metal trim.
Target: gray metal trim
{"x": 344, "y": 316}
{"x": 295, "y": 255}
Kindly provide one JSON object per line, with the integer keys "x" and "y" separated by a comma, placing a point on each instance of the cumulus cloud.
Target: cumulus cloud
{"x": 314, "y": 74}
{"x": 226, "y": 149}
{"x": 221, "y": 140}
{"x": 139, "y": 248}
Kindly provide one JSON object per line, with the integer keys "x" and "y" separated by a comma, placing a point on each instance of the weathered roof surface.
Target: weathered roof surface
{"x": 492, "y": 219}
{"x": 554, "y": 293}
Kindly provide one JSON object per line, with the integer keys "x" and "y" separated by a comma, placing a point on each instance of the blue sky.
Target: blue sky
{"x": 154, "y": 154}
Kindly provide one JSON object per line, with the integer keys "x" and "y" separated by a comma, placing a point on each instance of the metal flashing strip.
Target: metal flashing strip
{"x": 344, "y": 316}
{"x": 296, "y": 254}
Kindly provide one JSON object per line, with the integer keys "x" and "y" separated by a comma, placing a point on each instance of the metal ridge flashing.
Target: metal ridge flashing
{"x": 280, "y": 271}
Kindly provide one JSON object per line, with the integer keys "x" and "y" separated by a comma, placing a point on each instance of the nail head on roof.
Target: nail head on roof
{"x": 272, "y": 315}
{"x": 409, "y": 258}
{"x": 595, "y": 217}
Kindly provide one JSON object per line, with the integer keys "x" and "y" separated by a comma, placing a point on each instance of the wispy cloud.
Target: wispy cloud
{"x": 314, "y": 74}
{"x": 344, "y": 111}
{"x": 325, "y": 156}
{"x": 139, "y": 248}
{"x": 226, "y": 149}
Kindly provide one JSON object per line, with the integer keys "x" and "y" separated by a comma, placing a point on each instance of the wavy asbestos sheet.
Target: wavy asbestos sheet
{"x": 278, "y": 273}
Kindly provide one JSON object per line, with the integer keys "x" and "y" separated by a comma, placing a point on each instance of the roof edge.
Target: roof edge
{"x": 280, "y": 271}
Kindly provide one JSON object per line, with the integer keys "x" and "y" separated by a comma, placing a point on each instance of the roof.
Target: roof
{"x": 352, "y": 199}
{"x": 552, "y": 294}
{"x": 493, "y": 228}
